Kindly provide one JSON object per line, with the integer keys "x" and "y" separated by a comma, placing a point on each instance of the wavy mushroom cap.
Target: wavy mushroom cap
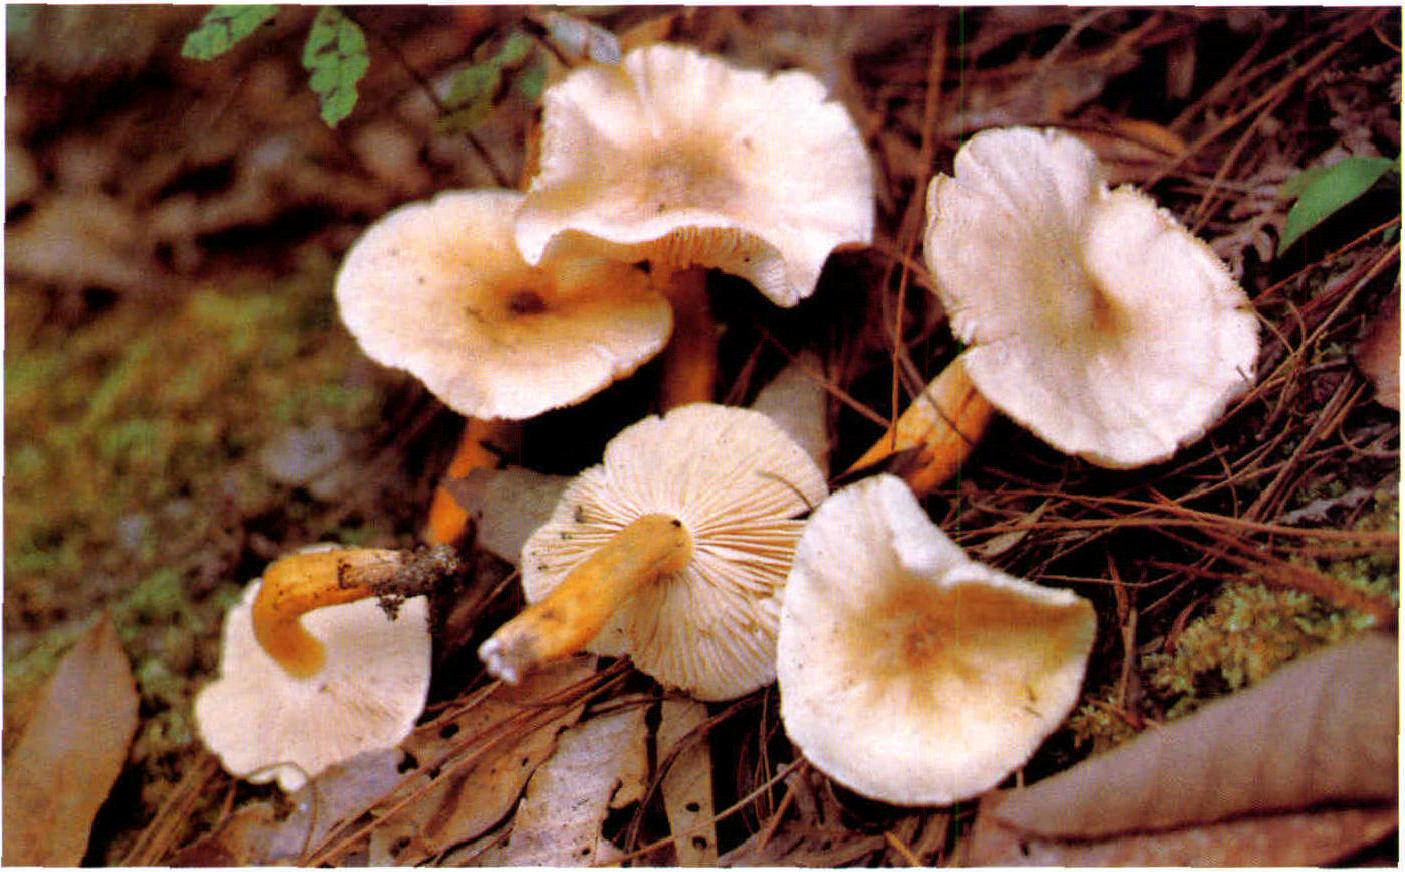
{"x": 737, "y": 482}
{"x": 680, "y": 158}
{"x": 265, "y": 724}
{"x": 1094, "y": 318}
{"x": 909, "y": 672}
{"x": 438, "y": 288}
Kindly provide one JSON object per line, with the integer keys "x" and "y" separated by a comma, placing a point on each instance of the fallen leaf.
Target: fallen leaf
{"x": 473, "y": 766}
{"x": 1322, "y": 191}
{"x": 1000, "y": 543}
{"x": 687, "y": 785}
{"x": 1323, "y": 728}
{"x": 255, "y": 836}
{"x": 569, "y": 796}
{"x": 71, "y": 752}
{"x": 1291, "y": 839}
{"x": 1378, "y": 353}
{"x": 814, "y": 835}
{"x": 795, "y": 399}
{"x": 509, "y": 505}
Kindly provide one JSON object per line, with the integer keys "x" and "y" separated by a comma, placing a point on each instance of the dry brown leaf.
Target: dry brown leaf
{"x": 75, "y": 240}
{"x": 1323, "y": 728}
{"x": 567, "y": 800}
{"x": 687, "y": 785}
{"x": 71, "y": 752}
{"x": 1291, "y": 839}
{"x": 795, "y": 399}
{"x": 811, "y": 834}
{"x": 1378, "y": 354}
{"x": 508, "y": 505}
{"x": 511, "y": 732}
{"x": 253, "y": 836}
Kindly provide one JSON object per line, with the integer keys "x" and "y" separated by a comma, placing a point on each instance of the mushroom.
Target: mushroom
{"x": 673, "y": 550}
{"x": 438, "y": 289}
{"x": 683, "y": 160}
{"x": 1092, "y": 317}
{"x": 908, "y": 672}
{"x": 369, "y": 685}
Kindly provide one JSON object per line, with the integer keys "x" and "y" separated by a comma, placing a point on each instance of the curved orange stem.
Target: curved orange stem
{"x": 299, "y": 583}
{"x": 579, "y": 607}
{"x": 944, "y": 423}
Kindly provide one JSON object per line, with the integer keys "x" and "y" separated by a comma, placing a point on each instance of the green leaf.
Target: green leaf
{"x": 474, "y": 92}
{"x": 222, "y": 27}
{"x": 515, "y": 49}
{"x": 335, "y": 55}
{"x": 532, "y": 81}
{"x": 1322, "y": 191}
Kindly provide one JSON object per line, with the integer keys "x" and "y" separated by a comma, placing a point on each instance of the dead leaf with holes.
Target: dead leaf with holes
{"x": 687, "y": 785}
{"x": 473, "y": 765}
{"x": 1321, "y": 730}
{"x": 560, "y": 818}
{"x": 72, "y": 750}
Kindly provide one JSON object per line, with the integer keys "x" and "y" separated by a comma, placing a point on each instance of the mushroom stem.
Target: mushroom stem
{"x": 297, "y": 584}
{"x": 690, "y": 360}
{"x": 575, "y": 612}
{"x": 447, "y": 519}
{"x": 944, "y": 424}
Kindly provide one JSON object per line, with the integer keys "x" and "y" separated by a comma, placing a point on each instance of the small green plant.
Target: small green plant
{"x": 222, "y": 27}
{"x": 1323, "y": 191}
{"x": 476, "y": 91}
{"x": 334, "y": 55}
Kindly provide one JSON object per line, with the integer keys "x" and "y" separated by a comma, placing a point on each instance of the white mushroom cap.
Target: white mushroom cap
{"x": 736, "y": 482}
{"x": 1095, "y": 319}
{"x": 909, "y": 672}
{"x": 438, "y": 288}
{"x": 680, "y": 158}
{"x": 265, "y": 724}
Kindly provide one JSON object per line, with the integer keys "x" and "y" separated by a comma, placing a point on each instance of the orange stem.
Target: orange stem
{"x": 944, "y": 424}
{"x": 447, "y": 519}
{"x": 690, "y": 360}
{"x": 299, "y": 583}
{"x": 578, "y": 608}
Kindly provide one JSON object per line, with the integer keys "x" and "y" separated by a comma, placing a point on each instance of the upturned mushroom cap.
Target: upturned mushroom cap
{"x": 680, "y": 158}
{"x": 1094, "y": 318}
{"x": 736, "y": 482}
{"x": 265, "y": 724}
{"x": 438, "y": 288}
{"x": 909, "y": 672}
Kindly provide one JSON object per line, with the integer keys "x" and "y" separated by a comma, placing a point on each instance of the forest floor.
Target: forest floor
{"x": 183, "y": 404}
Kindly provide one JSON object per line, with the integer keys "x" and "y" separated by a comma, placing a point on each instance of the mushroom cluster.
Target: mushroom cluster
{"x": 507, "y": 305}
{"x": 907, "y": 671}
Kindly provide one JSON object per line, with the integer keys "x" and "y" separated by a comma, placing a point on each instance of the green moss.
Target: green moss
{"x": 132, "y": 443}
{"x": 1250, "y": 630}
{"x": 1097, "y": 721}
